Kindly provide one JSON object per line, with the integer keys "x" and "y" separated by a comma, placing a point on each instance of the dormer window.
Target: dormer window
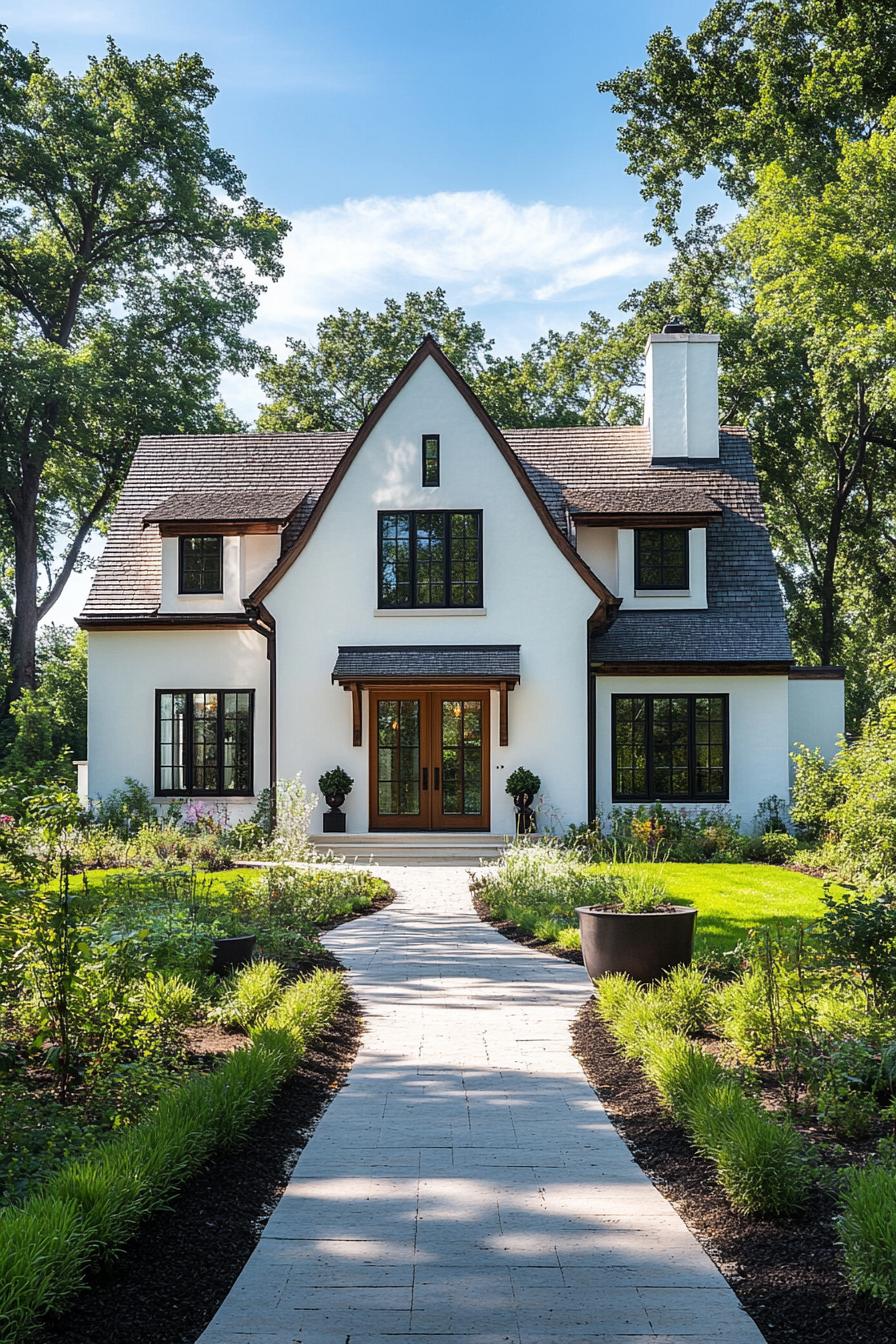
{"x": 661, "y": 559}
{"x": 201, "y": 568}
{"x": 430, "y": 459}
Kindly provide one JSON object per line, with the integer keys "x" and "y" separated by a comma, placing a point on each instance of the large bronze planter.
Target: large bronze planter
{"x": 641, "y": 946}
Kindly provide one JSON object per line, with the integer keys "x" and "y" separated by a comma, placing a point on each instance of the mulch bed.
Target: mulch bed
{"x": 788, "y": 1275}
{"x": 173, "y": 1276}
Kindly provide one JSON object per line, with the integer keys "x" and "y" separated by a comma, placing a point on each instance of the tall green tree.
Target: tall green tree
{"x": 335, "y": 382}
{"x": 124, "y": 238}
{"x": 778, "y": 97}
{"x": 582, "y": 377}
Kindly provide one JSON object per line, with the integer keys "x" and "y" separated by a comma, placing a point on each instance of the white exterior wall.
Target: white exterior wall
{"x": 817, "y": 714}
{"x": 532, "y": 597}
{"x": 127, "y": 667}
{"x": 598, "y": 547}
{"x": 758, "y": 727}
{"x": 681, "y": 394}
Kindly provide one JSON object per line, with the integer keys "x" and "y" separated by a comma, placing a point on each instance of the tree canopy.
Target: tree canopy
{"x": 126, "y": 241}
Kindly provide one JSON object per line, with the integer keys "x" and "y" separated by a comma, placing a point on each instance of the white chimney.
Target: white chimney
{"x": 681, "y": 392}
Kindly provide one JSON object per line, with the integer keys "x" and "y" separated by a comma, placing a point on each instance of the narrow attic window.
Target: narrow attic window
{"x": 201, "y": 567}
{"x": 430, "y": 459}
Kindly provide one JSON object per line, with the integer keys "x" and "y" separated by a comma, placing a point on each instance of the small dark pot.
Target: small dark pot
{"x": 229, "y": 954}
{"x": 641, "y": 946}
{"x": 526, "y": 820}
{"x": 334, "y": 822}
{"x": 334, "y": 800}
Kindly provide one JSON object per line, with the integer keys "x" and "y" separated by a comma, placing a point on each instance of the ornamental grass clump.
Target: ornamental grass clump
{"x": 251, "y": 994}
{"x": 867, "y": 1226}
{"x": 44, "y": 1252}
{"x": 759, "y": 1159}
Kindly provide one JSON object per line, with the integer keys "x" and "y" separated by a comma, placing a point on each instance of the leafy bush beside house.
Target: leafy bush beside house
{"x": 849, "y": 805}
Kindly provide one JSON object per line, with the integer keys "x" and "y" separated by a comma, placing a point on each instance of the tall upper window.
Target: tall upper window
{"x": 201, "y": 565}
{"x": 670, "y": 747}
{"x": 661, "y": 557}
{"x": 204, "y": 742}
{"x": 430, "y": 459}
{"x": 430, "y": 559}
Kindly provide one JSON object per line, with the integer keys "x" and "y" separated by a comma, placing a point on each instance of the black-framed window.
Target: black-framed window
{"x": 661, "y": 557}
{"x": 430, "y": 558}
{"x": 204, "y": 742}
{"x": 201, "y": 567}
{"x": 671, "y": 748}
{"x": 430, "y": 459}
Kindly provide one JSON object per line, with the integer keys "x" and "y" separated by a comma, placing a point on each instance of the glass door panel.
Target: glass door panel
{"x": 460, "y": 779}
{"x": 399, "y": 773}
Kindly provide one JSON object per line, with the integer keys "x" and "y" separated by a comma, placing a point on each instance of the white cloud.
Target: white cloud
{"x": 520, "y": 269}
{"x": 481, "y": 247}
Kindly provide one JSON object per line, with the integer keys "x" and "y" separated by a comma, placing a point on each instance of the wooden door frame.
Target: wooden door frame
{"x": 430, "y": 694}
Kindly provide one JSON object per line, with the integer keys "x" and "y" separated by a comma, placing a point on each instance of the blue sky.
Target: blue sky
{"x": 411, "y": 145}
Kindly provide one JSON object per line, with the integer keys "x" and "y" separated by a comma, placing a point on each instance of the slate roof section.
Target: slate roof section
{"x": 234, "y": 505}
{"x": 492, "y": 662}
{"x": 742, "y": 586}
{"x": 127, "y": 582}
{"x": 675, "y": 499}
{"x": 686, "y": 637}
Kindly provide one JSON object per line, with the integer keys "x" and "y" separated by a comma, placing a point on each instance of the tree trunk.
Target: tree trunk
{"x": 24, "y": 623}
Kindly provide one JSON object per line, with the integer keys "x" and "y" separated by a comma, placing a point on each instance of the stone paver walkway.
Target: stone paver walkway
{"x": 466, "y": 1183}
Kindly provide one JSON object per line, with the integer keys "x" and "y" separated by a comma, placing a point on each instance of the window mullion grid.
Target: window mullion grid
{"x": 651, "y": 792}
{"x": 448, "y": 535}
{"x": 692, "y": 746}
{"x": 219, "y": 763}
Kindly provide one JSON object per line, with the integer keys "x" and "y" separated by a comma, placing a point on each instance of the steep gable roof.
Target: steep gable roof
{"x": 745, "y": 615}
{"x": 429, "y": 349}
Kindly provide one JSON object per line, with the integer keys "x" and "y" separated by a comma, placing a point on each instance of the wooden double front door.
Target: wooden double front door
{"x": 429, "y": 766}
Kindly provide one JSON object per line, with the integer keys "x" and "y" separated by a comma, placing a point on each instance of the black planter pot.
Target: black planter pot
{"x": 641, "y": 946}
{"x": 229, "y": 954}
{"x": 526, "y": 820}
{"x": 334, "y": 820}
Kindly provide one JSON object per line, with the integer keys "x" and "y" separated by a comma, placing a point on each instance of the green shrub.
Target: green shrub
{"x": 760, "y": 1160}
{"x": 251, "y": 994}
{"x": 867, "y": 1227}
{"x": 680, "y": 1071}
{"x": 127, "y": 809}
{"x": 44, "y": 1251}
{"x": 778, "y": 846}
{"x": 847, "y": 1113}
{"x": 169, "y": 1002}
{"x": 857, "y": 934}
{"x": 740, "y": 1010}
{"x": 307, "y": 1005}
{"x": 685, "y": 994}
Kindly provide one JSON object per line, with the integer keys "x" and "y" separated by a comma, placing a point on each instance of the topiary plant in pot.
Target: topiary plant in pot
{"x": 335, "y": 784}
{"x": 523, "y": 787}
{"x": 633, "y": 927}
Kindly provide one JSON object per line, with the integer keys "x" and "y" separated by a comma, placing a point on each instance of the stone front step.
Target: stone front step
{"x": 384, "y": 848}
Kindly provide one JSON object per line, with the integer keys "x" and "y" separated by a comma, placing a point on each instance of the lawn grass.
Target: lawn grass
{"x": 734, "y": 898}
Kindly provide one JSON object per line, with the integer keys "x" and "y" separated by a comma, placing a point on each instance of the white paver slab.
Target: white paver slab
{"x": 466, "y": 1183}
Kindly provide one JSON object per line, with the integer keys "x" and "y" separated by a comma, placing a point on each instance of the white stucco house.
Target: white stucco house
{"x": 432, "y": 601}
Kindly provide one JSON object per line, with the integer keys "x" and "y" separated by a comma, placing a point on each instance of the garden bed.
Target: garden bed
{"x": 174, "y": 1275}
{"x": 786, "y": 1273}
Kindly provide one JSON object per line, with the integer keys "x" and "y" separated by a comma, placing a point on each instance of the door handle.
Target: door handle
{"x": 425, "y": 778}
{"x": 435, "y": 777}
